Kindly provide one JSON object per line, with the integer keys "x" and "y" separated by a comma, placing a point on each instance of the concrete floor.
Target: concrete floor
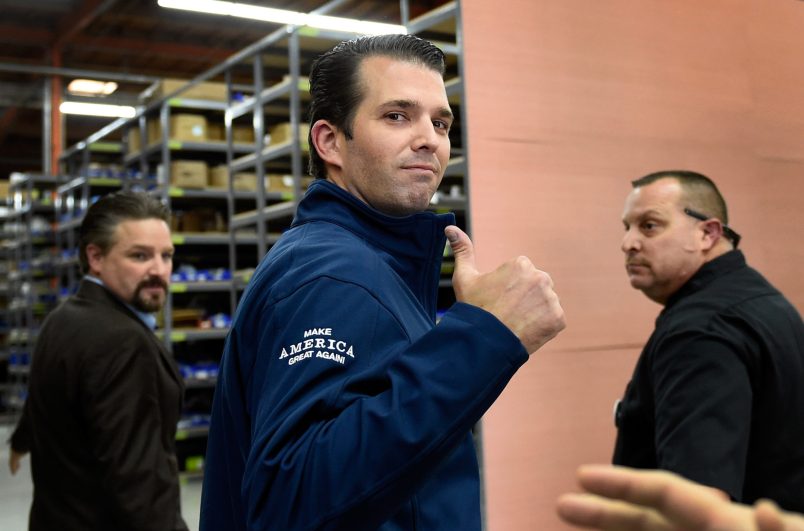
{"x": 16, "y": 492}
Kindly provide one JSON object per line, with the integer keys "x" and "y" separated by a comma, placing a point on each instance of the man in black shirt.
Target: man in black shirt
{"x": 717, "y": 394}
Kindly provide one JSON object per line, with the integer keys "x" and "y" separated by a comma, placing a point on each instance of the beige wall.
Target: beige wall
{"x": 567, "y": 101}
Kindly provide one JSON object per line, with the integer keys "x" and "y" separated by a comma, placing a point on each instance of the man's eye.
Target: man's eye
{"x": 395, "y": 116}
{"x": 440, "y": 124}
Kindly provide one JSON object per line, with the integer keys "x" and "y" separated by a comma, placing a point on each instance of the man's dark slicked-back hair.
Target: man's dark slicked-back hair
{"x": 335, "y": 87}
{"x": 700, "y": 192}
{"x": 108, "y": 212}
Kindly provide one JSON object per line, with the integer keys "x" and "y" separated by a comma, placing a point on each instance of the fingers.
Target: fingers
{"x": 653, "y": 488}
{"x": 684, "y": 503}
{"x": 594, "y": 512}
{"x": 770, "y": 518}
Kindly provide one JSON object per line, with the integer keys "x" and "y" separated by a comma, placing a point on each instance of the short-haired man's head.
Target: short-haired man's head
{"x": 335, "y": 88}
{"x": 103, "y": 217}
{"x": 699, "y": 192}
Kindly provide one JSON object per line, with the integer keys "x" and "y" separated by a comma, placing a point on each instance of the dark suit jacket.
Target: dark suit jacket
{"x": 100, "y": 420}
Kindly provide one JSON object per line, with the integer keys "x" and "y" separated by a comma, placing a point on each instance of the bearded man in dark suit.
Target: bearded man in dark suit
{"x": 104, "y": 393}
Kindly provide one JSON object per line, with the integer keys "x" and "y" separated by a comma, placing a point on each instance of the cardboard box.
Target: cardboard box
{"x": 216, "y": 132}
{"x": 203, "y": 219}
{"x": 181, "y": 317}
{"x": 280, "y": 133}
{"x": 284, "y": 183}
{"x": 133, "y": 140}
{"x": 246, "y": 182}
{"x": 188, "y": 174}
{"x": 153, "y": 134}
{"x": 243, "y": 181}
{"x": 153, "y": 131}
{"x": 183, "y": 127}
{"x": 188, "y": 127}
{"x": 206, "y": 90}
{"x": 219, "y": 176}
{"x": 242, "y": 134}
{"x": 279, "y": 183}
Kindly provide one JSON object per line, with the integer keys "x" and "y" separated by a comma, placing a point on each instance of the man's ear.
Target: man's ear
{"x": 712, "y": 233}
{"x": 326, "y": 141}
{"x": 94, "y": 257}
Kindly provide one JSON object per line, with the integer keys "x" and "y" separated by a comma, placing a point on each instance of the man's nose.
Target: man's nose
{"x": 159, "y": 266}
{"x": 427, "y": 136}
{"x": 630, "y": 242}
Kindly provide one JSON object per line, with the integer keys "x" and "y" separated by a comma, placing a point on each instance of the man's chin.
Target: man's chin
{"x": 149, "y": 305}
{"x": 638, "y": 282}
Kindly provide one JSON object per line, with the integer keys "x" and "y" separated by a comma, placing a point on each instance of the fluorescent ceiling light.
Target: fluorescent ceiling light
{"x": 283, "y": 16}
{"x": 97, "y": 109}
{"x": 90, "y": 87}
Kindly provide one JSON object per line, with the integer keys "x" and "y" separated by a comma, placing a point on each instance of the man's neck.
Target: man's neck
{"x": 722, "y": 247}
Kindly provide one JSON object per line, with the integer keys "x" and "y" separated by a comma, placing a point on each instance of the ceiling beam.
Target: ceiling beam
{"x": 140, "y": 46}
{"x": 25, "y": 35}
{"x": 76, "y": 72}
{"x": 16, "y": 35}
{"x": 73, "y": 24}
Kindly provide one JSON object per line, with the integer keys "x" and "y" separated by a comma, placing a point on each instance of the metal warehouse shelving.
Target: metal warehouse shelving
{"x": 265, "y": 86}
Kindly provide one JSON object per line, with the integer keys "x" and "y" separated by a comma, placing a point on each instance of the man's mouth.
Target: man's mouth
{"x": 153, "y": 285}
{"x": 422, "y": 166}
{"x": 634, "y": 265}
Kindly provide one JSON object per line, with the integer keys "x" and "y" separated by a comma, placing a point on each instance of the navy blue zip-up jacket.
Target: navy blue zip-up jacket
{"x": 340, "y": 404}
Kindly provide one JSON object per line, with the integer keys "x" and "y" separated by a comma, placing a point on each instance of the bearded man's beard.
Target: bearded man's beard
{"x": 150, "y": 303}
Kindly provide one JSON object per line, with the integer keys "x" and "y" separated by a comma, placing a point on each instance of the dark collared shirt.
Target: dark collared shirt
{"x": 717, "y": 394}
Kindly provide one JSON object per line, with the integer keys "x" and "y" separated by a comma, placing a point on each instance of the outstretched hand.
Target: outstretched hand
{"x": 623, "y": 499}
{"x": 517, "y": 293}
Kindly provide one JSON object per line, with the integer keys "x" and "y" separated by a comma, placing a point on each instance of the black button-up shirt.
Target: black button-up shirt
{"x": 717, "y": 394}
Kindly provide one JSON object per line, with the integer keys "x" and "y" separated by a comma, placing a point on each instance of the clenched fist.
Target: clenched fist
{"x": 516, "y": 293}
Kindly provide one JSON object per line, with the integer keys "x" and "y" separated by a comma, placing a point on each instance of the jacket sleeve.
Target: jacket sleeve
{"x": 703, "y": 409}
{"x": 342, "y": 443}
{"x": 21, "y": 437}
{"x": 121, "y": 407}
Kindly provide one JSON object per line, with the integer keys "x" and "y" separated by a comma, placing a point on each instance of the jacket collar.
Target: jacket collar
{"x": 148, "y": 318}
{"x": 412, "y": 245}
{"x": 93, "y": 291}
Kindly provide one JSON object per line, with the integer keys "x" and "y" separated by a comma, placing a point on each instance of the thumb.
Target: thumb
{"x": 464, "y": 252}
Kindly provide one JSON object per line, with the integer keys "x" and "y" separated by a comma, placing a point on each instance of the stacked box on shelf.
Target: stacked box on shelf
{"x": 205, "y": 90}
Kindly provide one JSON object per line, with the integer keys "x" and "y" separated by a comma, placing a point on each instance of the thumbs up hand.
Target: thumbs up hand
{"x": 516, "y": 293}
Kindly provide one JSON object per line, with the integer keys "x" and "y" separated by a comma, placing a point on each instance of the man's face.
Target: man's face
{"x": 137, "y": 267}
{"x": 400, "y": 145}
{"x": 662, "y": 245}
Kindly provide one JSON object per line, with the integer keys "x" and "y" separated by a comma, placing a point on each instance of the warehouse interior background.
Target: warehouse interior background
{"x": 562, "y": 104}
{"x": 136, "y": 42}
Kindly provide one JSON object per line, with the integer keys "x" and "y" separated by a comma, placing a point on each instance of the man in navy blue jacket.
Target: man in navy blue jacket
{"x": 341, "y": 404}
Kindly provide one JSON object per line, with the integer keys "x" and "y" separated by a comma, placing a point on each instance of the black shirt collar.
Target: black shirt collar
{"x": 723, "y": 264}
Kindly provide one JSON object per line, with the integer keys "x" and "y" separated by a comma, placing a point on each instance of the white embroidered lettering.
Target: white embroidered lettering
{"x": 330, "y": 356}
{"x": 314, "y": 345}
{"x": 318, "y": 332}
